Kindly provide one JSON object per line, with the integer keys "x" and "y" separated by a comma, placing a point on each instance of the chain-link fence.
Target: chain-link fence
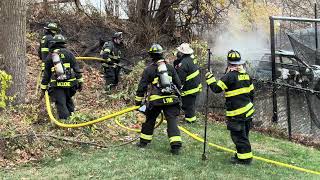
{"x": 296, "y": 83}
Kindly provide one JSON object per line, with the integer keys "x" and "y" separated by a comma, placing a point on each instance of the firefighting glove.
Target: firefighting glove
{"x": 210, "y": 78}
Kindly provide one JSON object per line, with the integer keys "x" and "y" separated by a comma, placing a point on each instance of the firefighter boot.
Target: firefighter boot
{"x": 141, "y": 144}
{"x": 236, "y": 160}
{"x": 175, "y": 150}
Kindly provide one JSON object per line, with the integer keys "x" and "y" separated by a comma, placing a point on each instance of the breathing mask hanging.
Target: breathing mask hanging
{"x": 165, "y": 80}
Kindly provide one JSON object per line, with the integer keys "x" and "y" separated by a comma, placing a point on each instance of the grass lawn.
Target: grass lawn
{"x": 156, "y": 162}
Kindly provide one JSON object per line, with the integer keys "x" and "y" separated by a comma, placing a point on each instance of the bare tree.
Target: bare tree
{"x": 13, "y": 44}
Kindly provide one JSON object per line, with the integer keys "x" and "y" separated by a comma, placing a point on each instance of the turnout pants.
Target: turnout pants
{"x": 170, "y": 112}
{"x": 239, "y": 131}
{"x": 111, "y": 75}
{"x": 189, "y": 107}
{"x": 63, "y": 101}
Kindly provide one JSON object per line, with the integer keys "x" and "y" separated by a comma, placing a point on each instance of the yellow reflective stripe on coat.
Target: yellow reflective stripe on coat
{"x": 175, "y": 139}
{"x": 107, "y": 50}
{"x": 73, "y": 79}
{"x": 250, "y": 112}
{"x": 192, "y": 91}
{"x": 211, "y": 80}
{"x": 245, "y": 155}
{"x": 192, "y": 119}
{"x": 145, "y": 136}
{"x": 66, "y": 65}
{"x": 43, "y": 65}
{"x": 43, "y": 86}
{"x": 156, "y": 97}
{"x": 69, "y": 80}
{"x": 222, "y": 85}
{"x": 239, "y": 91}
{"x": 80, "y": 80}
{"x": 44, "y": 49}
{"x": 193, "y": 75}
{"x": 138, "y": 98}
{"x": 155, "y": 80}
{"x": 240, "y": 110}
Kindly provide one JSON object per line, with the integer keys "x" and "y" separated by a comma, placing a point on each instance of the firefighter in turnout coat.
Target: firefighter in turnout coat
{"x": 238, "y": 88}
{"x": 163, "y": 96}
{"x": 111, "y": 52}
{"x": 51, "y": 30}
{"x": 189, "y": 75}
{"x": 62, "y": 76}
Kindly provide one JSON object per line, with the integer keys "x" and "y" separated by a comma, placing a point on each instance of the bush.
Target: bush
{"x": 5, "y": 80}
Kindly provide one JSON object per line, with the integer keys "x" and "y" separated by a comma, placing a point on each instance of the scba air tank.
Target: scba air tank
{"x": 165, "y": 80}
{"x": 58, "y": 66}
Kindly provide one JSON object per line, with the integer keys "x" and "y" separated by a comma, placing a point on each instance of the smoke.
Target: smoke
{"x": 238, "y": 35}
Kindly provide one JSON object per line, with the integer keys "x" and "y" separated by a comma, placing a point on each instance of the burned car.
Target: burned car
{"x": 289, "y": 69}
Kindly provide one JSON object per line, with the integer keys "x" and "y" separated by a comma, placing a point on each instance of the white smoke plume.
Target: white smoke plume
{"x": 232, "y": 35}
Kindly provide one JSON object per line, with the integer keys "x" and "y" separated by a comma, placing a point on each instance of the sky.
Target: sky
{"x": 100, "y": 3}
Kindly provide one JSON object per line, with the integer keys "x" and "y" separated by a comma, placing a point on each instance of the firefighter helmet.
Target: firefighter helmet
{"x": 185, "y": 48}
{"x": 234, "y": 57}
{"x": 52, "y": 26}
{"x": 117, "y": 35}
{"x": 58, "y": 39}
{"x": 156, "y": 49}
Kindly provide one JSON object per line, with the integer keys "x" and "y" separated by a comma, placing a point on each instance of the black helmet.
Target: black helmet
{"x": 156, "y": 49}
{"x": 59, "y": 39}
{"x": 234, "y": 57}
{"x": 52, "y": 27}
{"x": 117, "y": 35}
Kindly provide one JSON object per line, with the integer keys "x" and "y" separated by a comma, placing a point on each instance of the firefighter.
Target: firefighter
{"x": 189, "y": 74}
{"x": 163, "y": 96}
{"x": 238, "y": 88}
{"x": 43, "y": 51}
{"x": 62, "y": 76}
{"x": 111, "y": 53}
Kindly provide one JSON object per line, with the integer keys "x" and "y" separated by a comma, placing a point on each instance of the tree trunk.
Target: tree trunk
{"x": 142, "y": 10}
{"x": 13, "y": 45}
{"x": 166, "y": 17}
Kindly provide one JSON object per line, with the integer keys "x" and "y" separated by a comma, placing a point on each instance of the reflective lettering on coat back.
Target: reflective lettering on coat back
{"x": 168, "y": 100}
{"x": 243, "y": 77}
{"x": 64, "y": 84}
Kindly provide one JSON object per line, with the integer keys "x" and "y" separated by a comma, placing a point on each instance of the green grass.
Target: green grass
{"x": 156, "y": 162}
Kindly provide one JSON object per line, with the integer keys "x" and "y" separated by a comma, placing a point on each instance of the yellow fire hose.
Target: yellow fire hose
{"x": 48, "y": 106}
{"x": 85, "y": 123}
{"x": 255, "y": 157}
{"x": 230, "y": 150}
{"x": 138, "y": 131}
{"x": 90, "y": 58}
